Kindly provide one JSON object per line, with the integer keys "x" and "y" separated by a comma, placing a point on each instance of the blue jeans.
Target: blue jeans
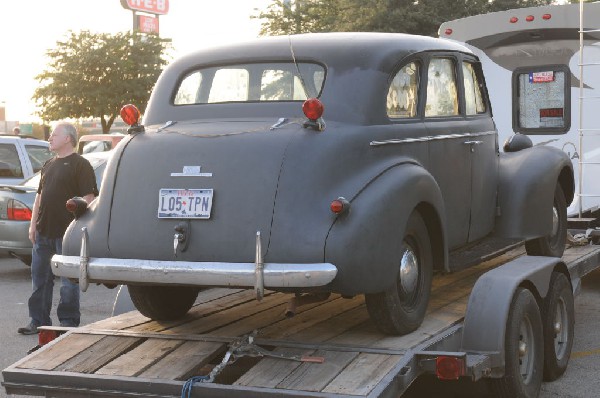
{"x": 40, "y": 302}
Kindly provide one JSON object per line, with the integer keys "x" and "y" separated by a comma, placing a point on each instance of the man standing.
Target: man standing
{"x": 63, "y": 177}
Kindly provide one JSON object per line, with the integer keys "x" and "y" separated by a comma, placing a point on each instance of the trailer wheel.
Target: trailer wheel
{"x": 558, "y": 318}
{"x": 401, "y": 309}
{"x": 524, "y": 351}
{"x": 163, "y": 303}
{"x": 552, "y": 245}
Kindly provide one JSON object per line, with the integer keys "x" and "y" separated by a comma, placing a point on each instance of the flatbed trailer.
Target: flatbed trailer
{"x": 130, "y": 355}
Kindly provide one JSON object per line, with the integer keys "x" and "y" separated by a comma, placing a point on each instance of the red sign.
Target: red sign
{"x": 150, "y": 6}
{"x": 147, "y": 24}
{"x": 541, "y": 77}
{"x": 551, "y": 112}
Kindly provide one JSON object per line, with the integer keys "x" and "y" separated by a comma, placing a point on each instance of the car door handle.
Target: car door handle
{"x": 473, "y": 142}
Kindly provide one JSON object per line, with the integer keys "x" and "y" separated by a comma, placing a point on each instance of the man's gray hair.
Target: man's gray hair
{"x": 69, "y": 129}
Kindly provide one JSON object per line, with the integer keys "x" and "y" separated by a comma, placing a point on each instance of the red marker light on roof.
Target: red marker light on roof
{"x": 546, "y": 16}
{"x": 514, "y": 20}
{"x": 448, "y": 32}
{"x": 529, "y": 18}
{"x": 130, "y": 114}
{"x": 312, "y": 108}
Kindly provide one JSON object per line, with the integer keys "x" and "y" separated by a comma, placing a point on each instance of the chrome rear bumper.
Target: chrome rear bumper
{"x": 125, "y": 271}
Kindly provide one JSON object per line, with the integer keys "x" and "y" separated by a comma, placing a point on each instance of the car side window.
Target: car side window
{"x": 473, "y": 99}
{"x": 402, "y": 97}
{"x": 38, "y": 155}
{"x": 10, "y": 165}
{"x": 442, "y": 96}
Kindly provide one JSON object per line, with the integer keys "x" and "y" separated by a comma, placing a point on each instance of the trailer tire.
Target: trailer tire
{"x": 163, "y": 303}
{"x": 523, "y": 347}
{"x": 558, "y": 318}
{"x": 552, "y": 245}
{"x": 401, "y": 309}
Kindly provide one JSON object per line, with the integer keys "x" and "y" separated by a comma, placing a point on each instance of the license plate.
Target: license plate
{"x": 185, "y": 203}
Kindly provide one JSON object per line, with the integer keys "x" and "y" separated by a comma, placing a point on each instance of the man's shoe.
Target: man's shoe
{"x": 29, "y": 329}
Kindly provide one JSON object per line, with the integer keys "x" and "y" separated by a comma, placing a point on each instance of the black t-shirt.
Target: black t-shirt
{"x": 62, "y": 179}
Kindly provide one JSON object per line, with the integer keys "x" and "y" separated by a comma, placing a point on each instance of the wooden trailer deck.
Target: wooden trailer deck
{"x": 130, "y": 355}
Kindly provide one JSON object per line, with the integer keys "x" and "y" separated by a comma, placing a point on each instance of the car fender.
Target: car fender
{"x": 364, "y": 243}
{"x": 527, "y": 180}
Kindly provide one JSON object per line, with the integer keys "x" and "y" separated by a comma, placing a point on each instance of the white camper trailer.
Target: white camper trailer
{"x": 542, "y": 68}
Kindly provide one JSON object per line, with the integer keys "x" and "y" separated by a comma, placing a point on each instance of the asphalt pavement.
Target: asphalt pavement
{"x": 580, "y": 380}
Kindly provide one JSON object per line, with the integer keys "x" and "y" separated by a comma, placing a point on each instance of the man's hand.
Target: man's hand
{"x": 32, "y": 233}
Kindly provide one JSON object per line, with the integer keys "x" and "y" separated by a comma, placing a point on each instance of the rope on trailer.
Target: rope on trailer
{"x": 186, "y": 392}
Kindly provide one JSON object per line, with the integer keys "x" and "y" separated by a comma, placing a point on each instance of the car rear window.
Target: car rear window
{"x": 261, "y": 82}
{"x": 38, "y": 155}
{"x": 10, "y": 165}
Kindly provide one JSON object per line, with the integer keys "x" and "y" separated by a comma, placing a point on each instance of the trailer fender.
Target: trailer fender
{"x": 489, "y": 303}
{"x": 374, "y": 226}
{"x": 527, "y": 181}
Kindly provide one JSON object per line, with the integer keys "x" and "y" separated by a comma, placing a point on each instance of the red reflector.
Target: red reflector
{"x": 18, "y": 211}
{"x": 71, "y": 205}
{"x": 312, "y": 108}
{"x": 448, "y": 32}
{"x": 130, "y": 114}
{"x": 339, "y": 206}
{"x": 546, "y": 16}
{"x": 449, "y": 368}
{"x": 514, "y": 20}
{"x": 46, "y": 336}
{"x": 529, "y": 18}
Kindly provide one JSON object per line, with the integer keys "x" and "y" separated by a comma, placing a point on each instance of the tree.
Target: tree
{"x": 407, "y": 16}
{"x": 93, "y": 75}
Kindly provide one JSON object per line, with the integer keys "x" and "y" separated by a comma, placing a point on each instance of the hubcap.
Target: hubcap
{"x": 409, "y": 271}
{"x": 554, "y": 221}
{"x": 526, "y": 350}
{"x": 561, "y": 333}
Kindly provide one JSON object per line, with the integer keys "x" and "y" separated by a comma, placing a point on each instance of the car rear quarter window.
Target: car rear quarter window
{"x": 442, "y": 96}
{"x": 260, "y": 82}
{"x": 10, "y": 164}
{"x": 38, "y": 155}
{"x": 474, "y": 103}
{"x": 402, "y": 97}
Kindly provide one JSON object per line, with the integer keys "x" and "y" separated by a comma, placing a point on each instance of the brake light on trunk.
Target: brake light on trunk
{"x": 18, "y": 211}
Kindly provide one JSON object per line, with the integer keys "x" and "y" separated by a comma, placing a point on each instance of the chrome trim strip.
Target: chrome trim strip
{"x": 276, "y": 275}
{"x": 430, "y": 138}
{"x": 84, "y": 261}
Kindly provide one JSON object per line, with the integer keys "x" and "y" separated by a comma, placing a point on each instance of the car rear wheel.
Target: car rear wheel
{"x": 552, "y": 245}
{"x": 401, "y": 309}
{"x": 163, "y": 303}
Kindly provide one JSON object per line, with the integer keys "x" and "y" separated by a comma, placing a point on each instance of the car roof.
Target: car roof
{"x": 360, "y": 63}
{"x": 28, "y": 138}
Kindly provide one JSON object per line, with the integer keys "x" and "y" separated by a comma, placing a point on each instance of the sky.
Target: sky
{"x": 29, "y": 28}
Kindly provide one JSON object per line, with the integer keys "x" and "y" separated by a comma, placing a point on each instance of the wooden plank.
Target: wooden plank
{"x": 310, "y": 317}
{"x": 119, "y": 322}
{"x": 269, "y": 372}
{"x": 99, "y": 354}
{"x": 181, "y": 362}
{"x": 59, "y": 351}
{"x": 362, "y": 374}
{"x": 315, "y": 376}
{"x": 140, "y": 358}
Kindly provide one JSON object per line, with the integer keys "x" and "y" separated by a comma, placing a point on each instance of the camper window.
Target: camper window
{"x": 541, "y": 100}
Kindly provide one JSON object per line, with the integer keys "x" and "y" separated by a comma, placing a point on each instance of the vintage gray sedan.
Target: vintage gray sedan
{"x": 394, "y": 163}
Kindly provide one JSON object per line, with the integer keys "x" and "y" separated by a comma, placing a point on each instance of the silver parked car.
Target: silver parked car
{"x": 21, "y": 157}
{"x": 16, "y": 205}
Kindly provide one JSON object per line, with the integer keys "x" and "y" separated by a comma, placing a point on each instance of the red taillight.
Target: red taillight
{"x": 546, "y": 16}
{"x": 130, "y": 114}
{"x": 312, "y": 108}
{"x": 46, "y": 336}
{"x": 514, "y": 20}
{"x": 339, "y": 206}
{"x": 529, "y": 18}
{"x": 448, "y": 32}
{"x": 18, "y": 211}
{"x": 449, "y": 368}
